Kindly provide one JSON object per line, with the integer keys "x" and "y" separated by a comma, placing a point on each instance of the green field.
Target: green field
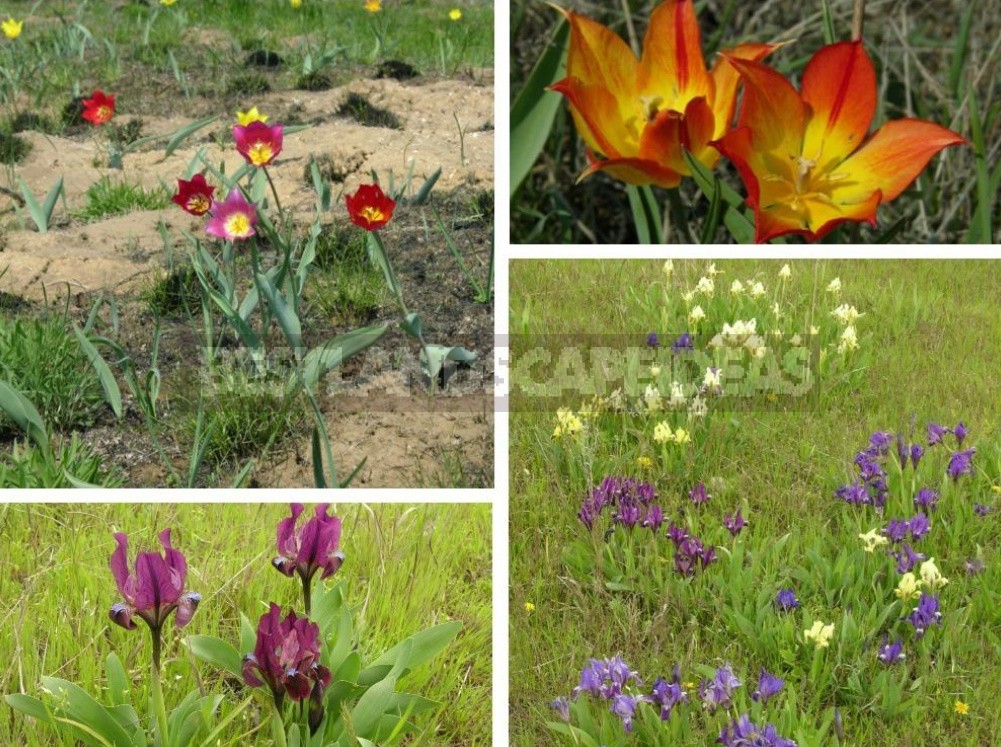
{"x": 407, "y": 568}
{"x": 929, "y": 341}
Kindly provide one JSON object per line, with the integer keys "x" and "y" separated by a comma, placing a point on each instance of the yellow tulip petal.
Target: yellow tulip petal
{"x": 673, "y": 66}
{"x": 726, "y": 79}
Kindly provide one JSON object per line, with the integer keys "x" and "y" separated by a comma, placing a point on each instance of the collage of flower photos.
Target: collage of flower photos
{"x": 698, "y": 442}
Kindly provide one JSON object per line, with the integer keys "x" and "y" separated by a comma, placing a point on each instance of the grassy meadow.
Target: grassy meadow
{"x": 935, "y": 60}
{"x": 406, "y": 569}
{"x": 927, "y": 341}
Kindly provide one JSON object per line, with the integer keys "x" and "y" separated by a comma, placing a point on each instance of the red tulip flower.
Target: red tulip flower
{"x": 194, "y": 196}
{"x": 259, "y": 143}
{"x": 99, "y": 108}
{"x": 804, "y": 156}
{"x": 369, "y": 207}
{"x": 637, "y": 117}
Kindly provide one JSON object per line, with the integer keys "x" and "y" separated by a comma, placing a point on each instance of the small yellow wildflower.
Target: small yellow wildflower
{"x": 455, "y": 14}
{"x": 820, "y": 634}
{"x": 931, "y": 576}
{"x": 681, "y": 436}
{"x": 696, "y": 315}
{"x": 12, "y": 28}
{"x": 669, "y": 269}
{"x": 962, "y": 708}
{"x": 996, "y": 489}
{"x": 907, "y": 588}
{"x": 529, "y": 608}
{"x": 662, "y": 433}
{"x": 373, "y": 6}
{"x": 644, "y": 462}
{"x": 567, "y": 424}
{"x": 250, "y": 116}
{"x": 873, "y": 539}
{"x": 834, "y": 286}
{"x": 167, "y": 2}
{"x": 296, "y": 3}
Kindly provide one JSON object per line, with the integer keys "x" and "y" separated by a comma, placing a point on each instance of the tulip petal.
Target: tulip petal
{"x": 636, "y": 171}
{"x": 600, "y": 86}
{"x": 673, "y": 66}
{"x": 891, "y": 159}
{"x": 839, "y": 85}
{"x": 772, "y": 109}
{"x": 726, "y": 78}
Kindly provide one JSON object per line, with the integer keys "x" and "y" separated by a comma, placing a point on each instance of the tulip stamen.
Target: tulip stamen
{"x": 651, "y": 106}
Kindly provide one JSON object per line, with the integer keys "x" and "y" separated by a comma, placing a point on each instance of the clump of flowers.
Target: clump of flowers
{"x": 631, "y": 502}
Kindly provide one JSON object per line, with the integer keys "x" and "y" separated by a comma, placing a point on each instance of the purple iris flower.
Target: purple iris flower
{"x": 155, "y": 589}
{"x": 589, "y": 511}
{"x": 629, "y": 513}
{"x": 960, "y": 433}
{"x": 880, "y": 442}
{"x": 690, "y": 552}
{"x": 592, "y": 678}
{"x": 891, "y": 653}
{"x": 926, "y": 499}
{"x": 919, "y": 526}
{"x": 917, "y": 451}
{"x": 907, "y": 558}
{"x": 652, "y": 340}
{"x": 903, "y": 452}
{"x": 619, "y": 675}
{"x": 925, "y": 614}
{"x": 562, "y": 706}
{"x": 786, "y": 600}
{"x": 895, "y": 530}
{"x": 974, "y": 566}
{"x": 707, "y": 556}
{"x": 286, "y": 658}
{"x": 654, "y": 517}
{"x": 734, "y": 523}
{"x": 666, "y": 695}
{"x": 935, "y": 433}
{"x": 855, "y": 494}
{"x": 768, "y": 686}
{"x": 742, "y": 732}
{"x": 677, "y": 534}
{"x": 960, "y": 463}
{"x": 981, "y": 509}
{"x": 683, "y": 343}
{"x": 312, "y": 547}
{"x": 698, "y": 494}
{"x": 718, "y": 692}
{"x": 624, "y": 706}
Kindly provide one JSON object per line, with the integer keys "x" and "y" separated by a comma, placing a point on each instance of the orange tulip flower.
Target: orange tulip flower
{"x": 801, "y": 155}
{"x": 637, "y": 116}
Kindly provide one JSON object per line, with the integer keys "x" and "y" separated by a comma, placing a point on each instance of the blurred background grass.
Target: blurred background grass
{"x": 935, "y": 337}
{"x": 934, "y": 59}
{"x": 408, "y": 567}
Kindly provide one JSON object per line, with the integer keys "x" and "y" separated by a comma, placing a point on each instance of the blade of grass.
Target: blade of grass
{"x": 981, "y": 230}
{"x": 534, "y": 109}
{"x": 108, "y": 383}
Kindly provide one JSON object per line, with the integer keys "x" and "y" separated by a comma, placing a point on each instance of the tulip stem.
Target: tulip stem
{"x": 278, "y": 203}
{"x": 156, "y": 691}
{"x": 858, "y": 20}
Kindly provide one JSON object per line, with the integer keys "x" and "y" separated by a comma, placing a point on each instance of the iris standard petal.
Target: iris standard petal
{"x": 839, "y": 86}
{"x": 892, "y": 158}
{"x": 186, "y": 606}
{"x": 119, "y": 564}
{"x": 174, "y": 559}
{"x": 286, "y": 532}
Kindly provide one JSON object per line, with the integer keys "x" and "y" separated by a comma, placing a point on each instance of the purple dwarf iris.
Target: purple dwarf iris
{"x": 314, "y": 546}
{"x": 935, "y": 433}
{"x": 632, "y": 500}
{"x": 961, "y": 463}
{"x": 891, "y": 653}
{"x": 666, "y": 695}
{"x": 652, "y": 340}
{"x": 855, "y": 494}
{"x": 974, "y": 566}
{"x": 907, "y": 558}
{"x": 624, "y": 706}
{"x": 744, "y": 733}
{"x": 654, "y": 517}
{"x": 879, "y": 443}
{"x": 155, "y": 589}
{"x": 734, "y": 523}
{"x": 683, "y": 343}
{"x": 786, "y": 600}
{"x": 286, "y": 658}
{"x": 718, "y": 691}
{"x": 698, "y": 494}
{"x": 981, "y": 509}
{"x": 918, "y": 526}
{"x": 925, "y": 614}
{"x": 690, "y": 554}
{"x": 896, "y": 530}
{"x": 926, "y": 499}
{"x": 677, "y": 534}
{"x": 562, "y": 706}
{"x": 960, "y": 433}
{"x": 768, "y": 686}
{"x": 917, "y": 451}
{"x": 605, "y": 678}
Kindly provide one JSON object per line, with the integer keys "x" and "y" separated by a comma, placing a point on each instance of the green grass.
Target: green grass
{"x": 933, "y": 338}
{"x": 407, "y": 568}
{"x": 349, "y": 289}
{"x": 109, "y": 197}
{"x": 43, "y": 360}
{"x": 27, "y": 467}
{"x": 931, "y": 62}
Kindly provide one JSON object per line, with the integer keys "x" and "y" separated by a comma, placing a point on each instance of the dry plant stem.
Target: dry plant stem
{"x": 858, "y": 20}
{"x": 630, "y": 28}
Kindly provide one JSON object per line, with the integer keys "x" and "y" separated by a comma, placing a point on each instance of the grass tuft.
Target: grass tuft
{"x": 107, "y": 197}
{"x": 362, "y": 111}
